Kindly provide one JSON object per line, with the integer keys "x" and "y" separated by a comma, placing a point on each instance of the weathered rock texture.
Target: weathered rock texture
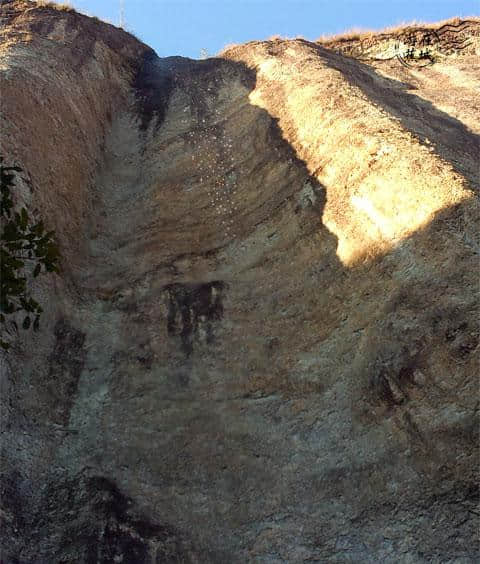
{"x": 262, "y": 344}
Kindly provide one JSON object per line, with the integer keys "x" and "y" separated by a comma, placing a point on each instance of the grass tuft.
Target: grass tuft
{"x": 63, "y": 7}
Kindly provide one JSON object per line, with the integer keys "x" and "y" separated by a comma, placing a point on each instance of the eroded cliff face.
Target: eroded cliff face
{"x": 262, "y": 344}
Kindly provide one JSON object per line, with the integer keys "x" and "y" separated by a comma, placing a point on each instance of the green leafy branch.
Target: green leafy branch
{"x": 26, "y": 250}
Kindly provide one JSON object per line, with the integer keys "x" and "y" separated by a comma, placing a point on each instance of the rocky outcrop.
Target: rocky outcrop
{"x": 262, "y": 345}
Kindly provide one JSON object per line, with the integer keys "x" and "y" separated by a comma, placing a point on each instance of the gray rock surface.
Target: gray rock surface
{"x": 262, "y": 346}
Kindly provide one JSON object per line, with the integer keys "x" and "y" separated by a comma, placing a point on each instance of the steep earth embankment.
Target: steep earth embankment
{"x": 262, "y": 346}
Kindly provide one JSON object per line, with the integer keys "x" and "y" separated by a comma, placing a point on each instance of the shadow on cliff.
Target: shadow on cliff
{"x": 263, "y": 197}
{"x": 422, "y": 312}
{"x": 157, "y": 80}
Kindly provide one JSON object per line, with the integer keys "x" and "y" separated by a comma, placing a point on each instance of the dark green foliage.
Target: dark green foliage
{"x": 26, "y": 250}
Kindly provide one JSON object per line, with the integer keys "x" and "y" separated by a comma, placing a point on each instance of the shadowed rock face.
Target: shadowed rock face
{"x": 198, "y": 307}
{"x": 262, "y": 346}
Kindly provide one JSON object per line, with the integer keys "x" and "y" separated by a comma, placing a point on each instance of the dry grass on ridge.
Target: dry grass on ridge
{"x": 63, "y": 7}
{"x": 361, "y": 33}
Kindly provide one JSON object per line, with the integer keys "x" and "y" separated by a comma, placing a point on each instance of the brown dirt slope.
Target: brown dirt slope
{"x": 263, "y": 345}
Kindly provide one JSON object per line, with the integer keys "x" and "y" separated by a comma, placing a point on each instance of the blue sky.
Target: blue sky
{"x": 185, "y": 27}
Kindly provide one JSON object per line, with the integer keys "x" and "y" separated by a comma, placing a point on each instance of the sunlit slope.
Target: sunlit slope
{"x": 380, "y": 151}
